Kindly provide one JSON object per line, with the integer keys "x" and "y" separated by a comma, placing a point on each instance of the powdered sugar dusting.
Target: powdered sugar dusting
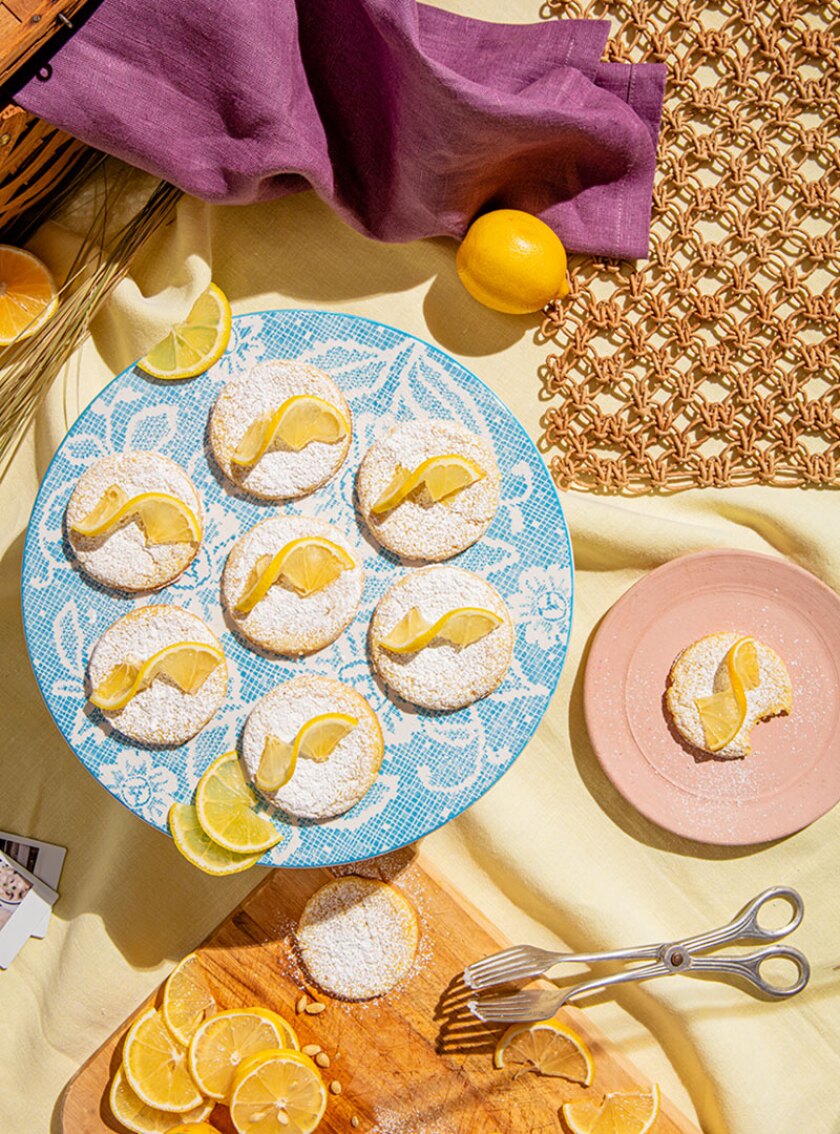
{"x": 120, "y": 558}
{"x": 318, "y": 789}
{"x": 442, "y": 676}
{"x": 160, "y": 714}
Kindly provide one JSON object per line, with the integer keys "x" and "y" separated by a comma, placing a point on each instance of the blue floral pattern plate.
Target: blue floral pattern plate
{"x": 435, "y": 764}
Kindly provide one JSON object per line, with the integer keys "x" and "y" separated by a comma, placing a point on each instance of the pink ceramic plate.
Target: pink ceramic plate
{"x": 793, "y": 774}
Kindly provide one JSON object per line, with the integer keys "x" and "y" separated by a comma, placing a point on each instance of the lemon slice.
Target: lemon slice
{"x": 722, "y": 714}
{"x": 222, "y": 1043}
{"x": 460, "y": 627}
{"x": 307, "y": 565}
{"x": 630, "y": 1112}
{"x": 186, "y": 664}
{"x": 156, "y": 1066}
{"x": 286, "y": 1030}
{"x": 547, "y": 1047}
{"x": 442, "y": 476}
{"x": 165, "y": 518}
{"x": 135, "y": 1115}
{"x": 194, "y": 1128}
{"x": 186, "y": 999}
{"x": 193, "y": 346}
{"x": 199, "y": 849}
{"x": 28, "y": 295}
{"x": 315, "y": 740}
{"x": 278, "y": 1092}
{"x": 297, "y": 423}
{"x": 226, "y": 809}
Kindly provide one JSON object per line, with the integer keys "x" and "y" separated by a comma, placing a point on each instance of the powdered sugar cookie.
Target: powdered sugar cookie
{"x": 461, "y": 628}
{"x": 413, "y": 519}
{"x": 358, "y": 937}
{"x": 296, "y": 552}
{"x": 320, "y": 782}
{"x": 134, "y": 521}
{"x": 701, "y": 671}
{"x": 151, "y": 690}
{"x": 259, "y": 429}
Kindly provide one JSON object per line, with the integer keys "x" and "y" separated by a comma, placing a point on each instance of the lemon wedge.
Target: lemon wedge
{"x": 186, "y": 664}
{"x": 722, "y": 714}
{"x": 460, "y": 627}
{"x": 226, "y": 809}
{"x": 156, "y": 1067}
{"x": 278, "y": 1092}
{"x": 547, "y": 1047}
{"x": 186, "y": 999}
{"x": 222, "y": 1043}
{"x": 441, "y": 476}
{"x": 132, "y": 1113}
{"x": 307, "y": 565}
{"x": 165, "y": 518}
{"x": 297, "y": 423}
{"x": 315, "y": 740}
{"x": 199, "y": 849}
{"x": 28, "y": 295}
{"x": 627, "y": 1112}
{"x": 193, "y": 346}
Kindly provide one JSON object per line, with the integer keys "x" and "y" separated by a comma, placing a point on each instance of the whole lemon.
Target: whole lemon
{"x": 513, "y": 262}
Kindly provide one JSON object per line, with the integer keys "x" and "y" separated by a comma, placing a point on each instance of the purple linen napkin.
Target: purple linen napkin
{"x": 407, "y": 119}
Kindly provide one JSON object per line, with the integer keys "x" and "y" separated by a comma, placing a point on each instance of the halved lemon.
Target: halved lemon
{"x": 627, "y": 1112}
{"x": 165, "y": 518}
{"x": 547, "y": 1047}
{"x": 156, "y": 1066}
{"x": 193, "y": 346}
{"x": 187, "y": 1000}
{"x": 222, "y": 1043}
{"x": 315, "y": 740}
{"x": 186, "y": 664}
{"x": 28, "y": 295}
{"x": 307, "y": 565}
{"x": 278, "y": 1092}
{"x": 442, "y": 476}
{"x": 226, "y": 809}
{"x": 131, "y": 1112}
{"x": 722, "y": 714}
{"x": 298, "y": 422}
{"x": 199, "y": 849}
{"x": 460, "y": 627}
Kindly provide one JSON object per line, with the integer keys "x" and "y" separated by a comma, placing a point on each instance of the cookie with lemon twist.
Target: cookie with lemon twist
{"x": 292, "y": 584}
{"x": 428, "y": 489}
{"x": 280, "y": 430}
{"x": 134, "y": 521}
{"x": 333, "y": 775}
{"x": 441, "y": 638}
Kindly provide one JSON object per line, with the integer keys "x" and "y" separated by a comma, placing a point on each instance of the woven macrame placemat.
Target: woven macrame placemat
{"x": 717, "y": 361}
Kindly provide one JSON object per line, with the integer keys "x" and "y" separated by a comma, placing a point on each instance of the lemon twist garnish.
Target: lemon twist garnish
{"x": 164, "y": 518}
{"x": 442, "y": 477}
{"x": 460, "y": 627}
{"x": 298, "y": 422}
{"x": 315, "y": 740}
{"x": 186, "y": 664}
{"x": 722, "y": 714}
{"x": 307, "y": 565}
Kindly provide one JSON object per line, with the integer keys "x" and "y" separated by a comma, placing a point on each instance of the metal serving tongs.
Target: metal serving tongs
{"x": 523, "y": 961}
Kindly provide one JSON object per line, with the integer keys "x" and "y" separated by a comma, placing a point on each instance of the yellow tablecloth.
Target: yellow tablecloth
{"x": 552, "y": 853}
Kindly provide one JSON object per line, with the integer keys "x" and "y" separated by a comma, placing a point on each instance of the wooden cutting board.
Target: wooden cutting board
{"x": 413, "y": 1062}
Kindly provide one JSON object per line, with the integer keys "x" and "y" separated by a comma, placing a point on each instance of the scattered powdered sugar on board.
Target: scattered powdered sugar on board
{"x": 280, "y": 474}
{"x": 418, "y": 529}
{"x": 442, "y": 676}
{"x": 284, "y": 621}
{"x": 317, "y": 789}
{"x": 358, "y": 937}
{"x": 161, "y": 713}
{"x": 120, "y": 558}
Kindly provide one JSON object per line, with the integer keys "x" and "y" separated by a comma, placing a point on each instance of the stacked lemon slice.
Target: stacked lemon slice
{"x": 181, "y": 1060}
